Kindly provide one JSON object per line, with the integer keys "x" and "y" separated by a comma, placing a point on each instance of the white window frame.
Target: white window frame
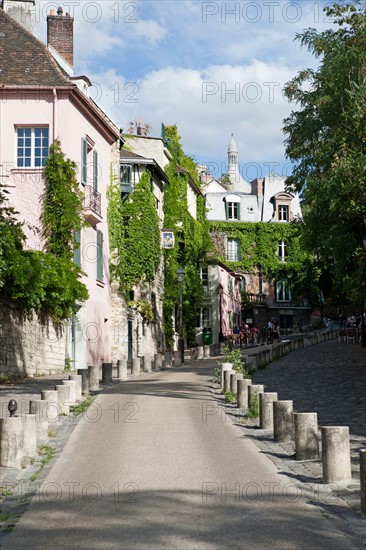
{"x": 282, "y": 251}
{"x": 232, "y": 210}
{"x": 32, "y": 147}
{"x": 283, "y": 292}
{"x": 283, "y": 212}
{"x": 232, "y": 250}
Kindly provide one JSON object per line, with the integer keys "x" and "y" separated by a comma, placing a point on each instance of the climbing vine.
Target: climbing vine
{"x": 258, "y": 244}
{"x": 134, "y": 234}
{"x": 192, "y": 240}
{"x": 46, "y": 283}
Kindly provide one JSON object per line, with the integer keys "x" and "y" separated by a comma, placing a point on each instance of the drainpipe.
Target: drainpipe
{"x": 54, "y": 114}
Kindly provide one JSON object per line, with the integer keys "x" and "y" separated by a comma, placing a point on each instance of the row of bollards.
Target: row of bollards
{"x": 300, "y": 427}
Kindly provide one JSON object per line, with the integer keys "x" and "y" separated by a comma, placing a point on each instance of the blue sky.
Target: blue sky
{"x": 212, "y": 68}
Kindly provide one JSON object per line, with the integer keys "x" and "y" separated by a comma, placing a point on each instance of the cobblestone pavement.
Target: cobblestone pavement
{"x": 330, "y": 379}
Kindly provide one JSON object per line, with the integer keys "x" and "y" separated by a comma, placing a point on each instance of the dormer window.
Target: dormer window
{"x": 232, "y": 207}
{"x": 282, "y": 207}
{"x": 283, "y": 213}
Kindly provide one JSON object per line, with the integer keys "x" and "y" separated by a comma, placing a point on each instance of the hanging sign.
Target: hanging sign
{"x": 167, "y": 238}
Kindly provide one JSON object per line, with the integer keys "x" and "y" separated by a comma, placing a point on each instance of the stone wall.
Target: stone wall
{"x": 27, "y": 348}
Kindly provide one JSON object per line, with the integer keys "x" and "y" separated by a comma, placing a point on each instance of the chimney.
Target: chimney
{"x": 60, "y": 34}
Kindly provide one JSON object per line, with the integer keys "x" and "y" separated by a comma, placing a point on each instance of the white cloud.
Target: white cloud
{"x": 150, "y": 30}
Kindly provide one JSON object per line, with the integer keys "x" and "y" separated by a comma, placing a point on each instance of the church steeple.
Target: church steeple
{"x": 237, "y": 182}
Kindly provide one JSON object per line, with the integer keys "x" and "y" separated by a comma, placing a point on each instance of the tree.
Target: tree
{"x": 326, "y": 141}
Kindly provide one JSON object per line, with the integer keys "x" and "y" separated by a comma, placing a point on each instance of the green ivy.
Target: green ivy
{"x": 258, "y": 250}
{"x": 62, "y": 204}
{"x": 134, "y": 234}
{"x": 47, "y": 283}
{"x": 192, "y": 240}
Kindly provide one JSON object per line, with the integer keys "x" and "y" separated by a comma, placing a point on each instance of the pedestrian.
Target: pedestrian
{"x": 276, "y": 333}
{"x": 269, "y": 330}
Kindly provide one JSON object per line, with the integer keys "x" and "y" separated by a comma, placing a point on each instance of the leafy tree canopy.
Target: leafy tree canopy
{"x": 326, "y": 139}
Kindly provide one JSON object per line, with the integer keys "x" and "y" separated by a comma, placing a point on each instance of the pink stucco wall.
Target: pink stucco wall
{"x": 67, "y": 123}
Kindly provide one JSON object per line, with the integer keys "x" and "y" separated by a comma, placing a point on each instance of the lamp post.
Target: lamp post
{"x": 180, "y": 278}
{"x": 220, "y": 291}
{"x": 363, "y": 334}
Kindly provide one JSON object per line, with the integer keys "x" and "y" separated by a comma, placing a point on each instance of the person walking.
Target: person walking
{"x": 276, "y": 333}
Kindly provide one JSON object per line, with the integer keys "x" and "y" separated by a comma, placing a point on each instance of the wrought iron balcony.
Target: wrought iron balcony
{"x": 93, "y": 204}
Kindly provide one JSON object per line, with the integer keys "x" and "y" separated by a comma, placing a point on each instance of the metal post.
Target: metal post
{"x": 181, "y": 338}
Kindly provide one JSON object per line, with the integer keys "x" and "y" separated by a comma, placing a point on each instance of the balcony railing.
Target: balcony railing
{"x": 93, "y": 204}
{"x": 259, "y": 299}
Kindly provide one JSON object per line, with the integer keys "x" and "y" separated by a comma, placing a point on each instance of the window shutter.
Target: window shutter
{"x": 239, "y": 211}
{"x": 84, "y": 154}
{"x": 99, "y": 256}
{"x": 227, "y": 210}
{"x": 77, "y": 251}
{"x": 95, "y": 170}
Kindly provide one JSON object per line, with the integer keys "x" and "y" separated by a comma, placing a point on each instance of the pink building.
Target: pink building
{"x": 40, "y": 101}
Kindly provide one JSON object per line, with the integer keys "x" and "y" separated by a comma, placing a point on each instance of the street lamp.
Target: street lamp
{"x": 220, "y": 291}
{"x": 180, "y": 278}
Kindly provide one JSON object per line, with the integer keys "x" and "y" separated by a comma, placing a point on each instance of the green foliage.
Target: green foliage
{"x": 253, "y": 411}
{"x": 229, "y": 397}
{"x": 234, "y": 356}
{"x": 258, "y": 250}
{"x": 134, "y": 234}
{"x": 37, "y": 281}
{"x": 326, "y": 138}
{"x": 144, "y": 307}
{"x": 191, "y": 240}
{"x": 62, "y": 204}
{"x": 81, "y": 407}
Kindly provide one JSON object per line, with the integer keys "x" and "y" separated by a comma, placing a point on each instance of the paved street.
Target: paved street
{"x": 156, "y": 463}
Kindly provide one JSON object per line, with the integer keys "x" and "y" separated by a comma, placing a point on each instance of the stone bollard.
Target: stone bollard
{"x": 63, "y": 393}
{"x": 336, "y": 455}
{"x": 37, "y": 407}
{"x": 72, "y": 384}
{"x": 363, "y": 480}
{"x": 136, "y": 366}
{"x": 206, "y": 350}
{"x": 167, "y": 361}
{"x": 107, "y": 373}
{"x": 30, "y": 436}
{"x": 122, "y": 368}
{"x": 146, "y": 360}
{"x": 12, "y": 439}
{"x": 84, "y": 373}
{"x": 227, "y": 379}
{"x": 266, "y": 410}
{"x": 254, "y": 390}
{"x": 306, "y": 436}
{"x": 158, "y": 360}
{"x": 214, "y": 350}
{"x": 242, "y": 395}
{"x": 283, "y": 424}
{"x": 177, "y": 359}
{"x": 52, "y": 409}
{"x": 79, "y": 388}
{"x": 93, "y": 378}
{"x": 234, "y": 382}
{"x": 199, "y": 352}
{"x": 224, "y": 367}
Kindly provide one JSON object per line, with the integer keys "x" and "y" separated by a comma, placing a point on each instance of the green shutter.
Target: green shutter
{"x": 239, "y": 211}
{"x": 99, "y": 256}
{"x": 95, "y": 170}
{"x": 84, "y": 154}
{"x": 77, "y": 251}
{"x": 227, "y": 210}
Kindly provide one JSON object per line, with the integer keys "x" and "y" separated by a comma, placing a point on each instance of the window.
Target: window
{"x": 32, "y": 147}
{"x": 283, "y": 292}
{"x": 229, "y": 285}
{"x": 282, "y": 251}
{"x": 283, "y": 213}
{"x": 232, "y": 250}
{"x": 100, "y": 270}
{"x": 126, "y": 174}
{"x": 243, "y": 285}
{"x": 232, "y": 211}
{"x": 206, "y": 317}
{"x": 204, "y": 278}
{"x": 87, "y": 149}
